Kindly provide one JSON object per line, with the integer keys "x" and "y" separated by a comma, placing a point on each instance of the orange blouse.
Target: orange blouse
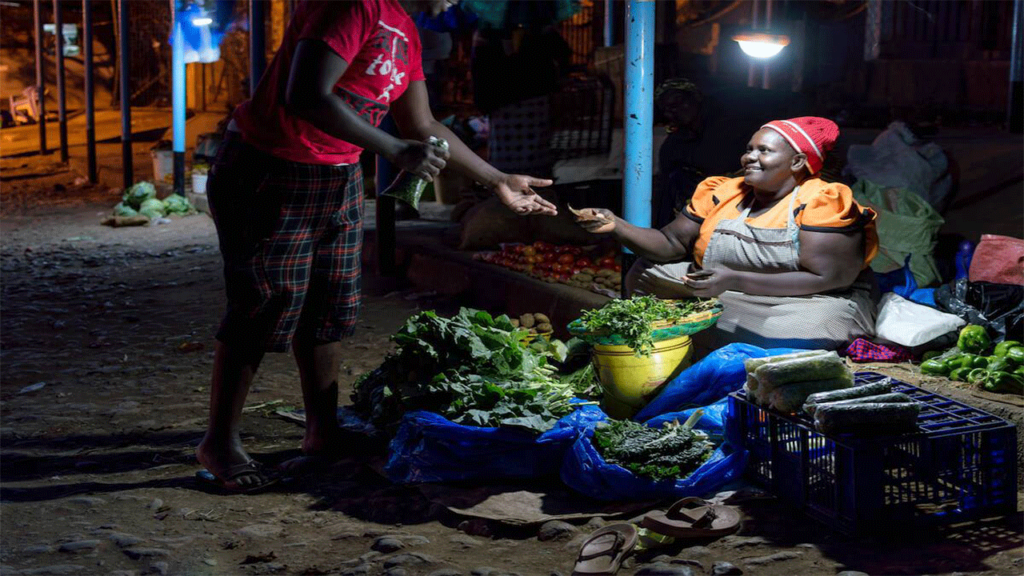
{"x": 820, "y": 207}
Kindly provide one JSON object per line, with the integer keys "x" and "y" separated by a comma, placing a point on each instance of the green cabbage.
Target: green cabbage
{"x": 122, "y": 210}
{"x": 152, "y": 208}
{"x": 135, "y": 196}
{"x": 175, "y": 204}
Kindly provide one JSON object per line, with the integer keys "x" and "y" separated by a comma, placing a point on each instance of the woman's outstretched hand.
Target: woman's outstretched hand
{"x": 594, "y": 220}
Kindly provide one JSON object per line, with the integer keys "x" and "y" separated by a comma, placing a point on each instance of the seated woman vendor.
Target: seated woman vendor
{"x": 785, "y": 252}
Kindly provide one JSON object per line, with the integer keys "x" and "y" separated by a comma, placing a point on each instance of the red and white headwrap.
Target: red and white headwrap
{"x": 811, "y": 135}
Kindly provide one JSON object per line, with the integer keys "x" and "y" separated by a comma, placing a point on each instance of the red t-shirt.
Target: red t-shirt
{"x": 382, "y": 47}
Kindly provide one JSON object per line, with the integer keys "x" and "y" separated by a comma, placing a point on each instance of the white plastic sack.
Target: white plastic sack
{"x": 911, "y": 324}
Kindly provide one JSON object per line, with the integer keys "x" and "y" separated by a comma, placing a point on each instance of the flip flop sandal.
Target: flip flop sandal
{"x": 693, "y": 518}
{"x": 226, "y": 483}
{"x": 604, "y": 550}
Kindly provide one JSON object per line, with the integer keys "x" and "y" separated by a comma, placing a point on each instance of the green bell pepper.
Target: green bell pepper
{"x": 1003, "y": 347}
{"x": 930, "y": 354}
{"x": 1019, "y": 371}
{"x": 960, "y": 374}
{"x": 934, "y": 368}
{"x": 1003, "y": 383}
{"x": 1001, "y": 365}
{"x": 973, "y": 338}
{"x": 973, "y": 361}
{"x": 1016, "y": 354}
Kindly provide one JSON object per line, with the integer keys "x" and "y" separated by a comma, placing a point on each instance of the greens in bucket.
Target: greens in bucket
{"x": 633, "y": 319}
{"x": 673, "y": 451}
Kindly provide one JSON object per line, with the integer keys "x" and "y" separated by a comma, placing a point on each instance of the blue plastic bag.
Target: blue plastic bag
{"x": 711, "y": 421}
{"x": 430, "y": 448}
{"x": 716, "y": 376}
{"x": 586, "y": 471}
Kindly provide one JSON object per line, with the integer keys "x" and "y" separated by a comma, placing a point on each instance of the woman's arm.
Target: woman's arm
{"x": 310, "y": 95}
{"x": 828, "y": 261}
{"x": 673, "y": 242}
{"x": 414, "y": 119}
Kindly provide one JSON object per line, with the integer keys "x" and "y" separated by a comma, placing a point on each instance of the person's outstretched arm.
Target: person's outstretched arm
{"x": 673, "y": 242}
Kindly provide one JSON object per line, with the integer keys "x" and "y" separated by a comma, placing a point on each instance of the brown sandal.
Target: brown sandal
{"x": 604, "y": 550}
{"x": 693, "y": 518}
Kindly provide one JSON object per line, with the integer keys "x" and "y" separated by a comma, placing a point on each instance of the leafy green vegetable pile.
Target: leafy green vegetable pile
{"x": 141, "y": 199}
{"x": 632, "y": 318}
{"x": 471, "y": 369}
{"x": 671, "y": 452}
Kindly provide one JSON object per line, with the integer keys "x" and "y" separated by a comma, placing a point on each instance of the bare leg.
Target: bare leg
{"x": 221, "y": 448}
{"x": 319, "y": 364}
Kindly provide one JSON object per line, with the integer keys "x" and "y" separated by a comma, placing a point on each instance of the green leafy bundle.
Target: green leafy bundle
{"x": 673, "y": 451}
{"x": 632, "y": 319}
{"x": 471, "y": 368}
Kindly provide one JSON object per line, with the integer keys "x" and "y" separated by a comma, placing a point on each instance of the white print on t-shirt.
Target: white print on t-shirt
{"x": 384, "y": 64}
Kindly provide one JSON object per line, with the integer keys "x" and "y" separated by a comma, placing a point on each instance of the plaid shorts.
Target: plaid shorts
{"x": 291, "y": 235}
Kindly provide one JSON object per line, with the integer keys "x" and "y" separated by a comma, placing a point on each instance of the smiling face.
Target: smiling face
{"x": 770, "y": 162}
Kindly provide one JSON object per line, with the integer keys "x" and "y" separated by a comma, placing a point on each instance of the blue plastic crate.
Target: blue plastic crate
{"x": 961, "y": 463}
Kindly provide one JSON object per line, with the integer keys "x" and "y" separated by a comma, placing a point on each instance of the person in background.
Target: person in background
{"x": 785, "y": 252}
{"x": 286, "y": 195}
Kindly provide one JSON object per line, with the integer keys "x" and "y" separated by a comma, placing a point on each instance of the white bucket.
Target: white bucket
{"x": 199, "y": 182}
{"x": 163, "y": 165}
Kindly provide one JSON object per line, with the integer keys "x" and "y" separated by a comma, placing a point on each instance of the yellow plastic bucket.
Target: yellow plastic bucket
{"x": 631, "y": 381}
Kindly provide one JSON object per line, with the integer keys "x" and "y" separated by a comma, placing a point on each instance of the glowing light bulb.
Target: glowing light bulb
{"x": 202, "y": 21}
{"x": 760, "y": 45}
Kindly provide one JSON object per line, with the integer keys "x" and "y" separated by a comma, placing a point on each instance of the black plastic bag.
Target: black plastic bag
{"x": 997, "y": 307}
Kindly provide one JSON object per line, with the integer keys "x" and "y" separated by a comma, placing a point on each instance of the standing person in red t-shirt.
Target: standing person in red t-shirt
{"x": 286, "y": 195}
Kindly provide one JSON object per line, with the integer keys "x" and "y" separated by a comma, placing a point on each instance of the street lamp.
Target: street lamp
{"x": 761, "y": 45}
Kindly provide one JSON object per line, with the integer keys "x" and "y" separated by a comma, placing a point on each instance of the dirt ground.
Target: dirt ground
{"x": 106, "y": 349}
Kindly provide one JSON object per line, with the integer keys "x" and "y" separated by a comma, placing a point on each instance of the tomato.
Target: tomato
{"x": 584, "y": 262}
{"x": 558, "y": 268}
{"x": 541, "y": 246}
{"x": 567, "y": 259}
{"x": 606, "y": 262}
{"x": 518, "y": 248}
{"x": 617, "y": 267}
{"x": 529, "y": 250}
{"x": 574, "y": 250}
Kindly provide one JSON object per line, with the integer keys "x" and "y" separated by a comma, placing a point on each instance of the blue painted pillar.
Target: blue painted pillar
{"x": 639, "y": 111}
{"x": 178, "y": 100}
{"x": 609, "y": 22}
{"x": 638, "y": 118}
{"x": 257, "y": 43}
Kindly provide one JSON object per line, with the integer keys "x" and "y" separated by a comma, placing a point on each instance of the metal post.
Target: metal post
{"x": 609, "y": 22}
{"x": 62, "y": 112}
{"x": 40, "y": 77}
{"x": 257, "y": 43}
{"x": 90, "y": 92}
{"x": 178, "y": 102}
{"x": 1015, "y": 102}
{"x": 126, "y": 93}
{"x": 639, "y": 114}
{"x": 386, "y": 235}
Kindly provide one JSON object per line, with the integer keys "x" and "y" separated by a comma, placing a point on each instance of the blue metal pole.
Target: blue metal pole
{"x": 257, "y": 43}
{"x": 639, "y": 111}
{"x": 178, "y": 102}
{"x": 90, "y": 116}
{"x": 609, "y": 22}
{"x": 124, "y": 53}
